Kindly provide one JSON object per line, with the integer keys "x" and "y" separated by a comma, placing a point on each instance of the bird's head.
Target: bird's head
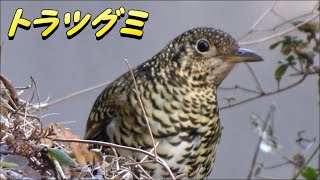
{"x": 204, "y": 56}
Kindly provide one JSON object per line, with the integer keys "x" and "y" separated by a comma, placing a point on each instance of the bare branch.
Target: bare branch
{"x": 1, "y": 53}
{"x": 38, "y": 98}
{"x": 266, "y": 93}
{"x": 306, "y": 164}
{"x": 257, "y": 22}
{"x": 59, "y": 169}
{"x": 240, "y": 88}
{"x": 257, "y": 150}
{"x": 255, "y": 77}
{"x": 280, "y": 33}
{"x": 290, "y": 20}
{"x": 75, "y": 94}
{"x": 13, "y": 94}
{"x": 136, "y": 90}
{"x": 277, "y": 165}
{"x": 9, "y": 108}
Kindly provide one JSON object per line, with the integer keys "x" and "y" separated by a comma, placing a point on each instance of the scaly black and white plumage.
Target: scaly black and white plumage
{"x": 178, "y": 89}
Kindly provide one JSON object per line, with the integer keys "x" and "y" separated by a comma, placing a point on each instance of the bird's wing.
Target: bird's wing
{"x": 107, "y": 106}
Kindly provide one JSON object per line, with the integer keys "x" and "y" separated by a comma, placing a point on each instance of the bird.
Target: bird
{"x": 178, "y": 90}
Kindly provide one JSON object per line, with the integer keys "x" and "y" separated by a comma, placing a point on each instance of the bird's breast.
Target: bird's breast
{"x": 184, "y": 120}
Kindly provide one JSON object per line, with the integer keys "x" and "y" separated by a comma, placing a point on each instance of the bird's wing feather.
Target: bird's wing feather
{"x": 107, "y": 106}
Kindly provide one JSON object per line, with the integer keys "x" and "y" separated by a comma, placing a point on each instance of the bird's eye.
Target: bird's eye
{"x": 202, "y": 45}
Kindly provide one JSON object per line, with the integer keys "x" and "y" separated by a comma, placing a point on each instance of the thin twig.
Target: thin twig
{"x": 1, "y": 53}
{"x": 265, "y": 178}
{"x": 32, "y": 96}
{"x": 65, "y": 122}
{"x": 100, "y": 143}
{"x": 9, "y": 108}
{"x": 75, "y": 94}
{"x": 138, "y": 163}
{"x": 280, "y": 33}
{"x": 316, "y": 7}
{"x": 307, "y": 162}
{"x": 257, "y": 150}
{"x": 266, "y": 94}
{"x": 142, "y": 106}
{"x": 33, "y": 82}
{"x": 297, "y": 17}
{"x": 277, "y": 165}
{"x": 13, "y": 94}
{"x": 278, "y": 25}
{"x": 142, "y": 169}
{"x": 240, "y": 88}
{"x": 23, "y": 88}
{"x": 254, "y": 77}
{"x": 59, "y": 169}
{"x": 290, "y": 20}
{"x": 10, "y": 101}
{"x": 257, "y": 22}
{"x": 151, "y": 151}
{"x": 144, "y": 158}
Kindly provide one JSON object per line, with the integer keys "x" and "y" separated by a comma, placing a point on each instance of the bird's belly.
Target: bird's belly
{"x": 194, "y": 159}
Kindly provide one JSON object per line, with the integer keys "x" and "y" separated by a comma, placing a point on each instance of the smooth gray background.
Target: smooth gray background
{"x": 61, "y": 66}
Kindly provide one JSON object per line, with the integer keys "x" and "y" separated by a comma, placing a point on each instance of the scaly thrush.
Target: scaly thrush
{"x": 178, "y": 89}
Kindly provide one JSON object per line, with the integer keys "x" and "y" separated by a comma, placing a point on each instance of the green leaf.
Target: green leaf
{"x": 286, "y": 49}
{"x": 62, "y": 157}
{"x": 280, "y": 71}
{"x": 290, "y": 59}
{"x": 8, "y": 164}
{"x": 15, "y": 161}
{"x": 309, "y": 173}
{"x": 287, "y": 39}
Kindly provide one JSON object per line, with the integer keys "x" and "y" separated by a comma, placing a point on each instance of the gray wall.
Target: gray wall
{"x": 61, "y": 66}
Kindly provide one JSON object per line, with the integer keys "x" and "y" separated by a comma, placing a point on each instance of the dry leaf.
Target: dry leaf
{"x": 80, "y": 150}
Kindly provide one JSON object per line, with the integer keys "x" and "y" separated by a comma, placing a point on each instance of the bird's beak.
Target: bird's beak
{"x": 242, "y": 55}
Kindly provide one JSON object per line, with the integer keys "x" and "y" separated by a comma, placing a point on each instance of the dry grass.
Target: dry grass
{"x": 30, "y": 150}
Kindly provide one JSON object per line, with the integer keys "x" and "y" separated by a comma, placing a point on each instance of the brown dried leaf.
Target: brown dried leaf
{"x": 80, "y": 151}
